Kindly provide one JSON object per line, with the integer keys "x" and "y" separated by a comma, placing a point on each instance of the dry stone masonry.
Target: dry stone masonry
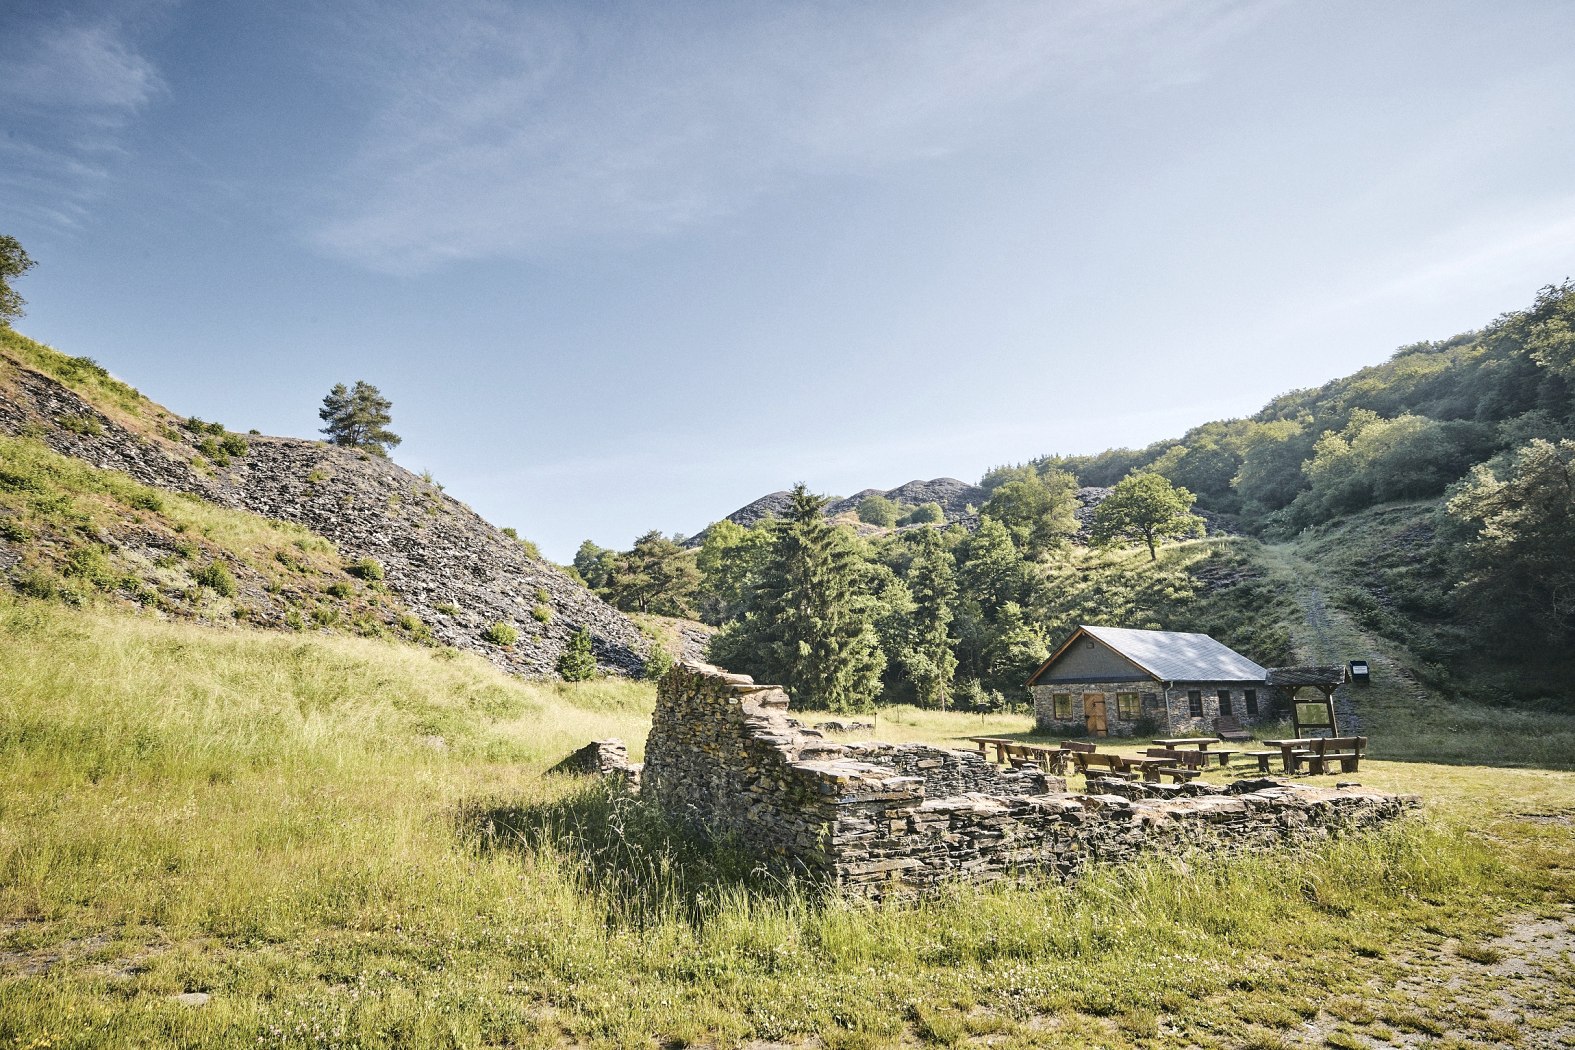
{"x": 878, "y": 819}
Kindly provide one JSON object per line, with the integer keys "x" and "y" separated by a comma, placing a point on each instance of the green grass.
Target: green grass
{"x": 82, "y": 374}
{"x": 350, "y": 843}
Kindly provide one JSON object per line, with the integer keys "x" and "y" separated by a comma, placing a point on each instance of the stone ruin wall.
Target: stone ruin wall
{"x": 877, "y": 819}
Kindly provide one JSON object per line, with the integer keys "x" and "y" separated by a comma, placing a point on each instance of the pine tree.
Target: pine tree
{"x": 358, "y": 418}
{"x": 14, "y": 262}
{"x": 578, "y": 663}
{"x": 811, "y": 622}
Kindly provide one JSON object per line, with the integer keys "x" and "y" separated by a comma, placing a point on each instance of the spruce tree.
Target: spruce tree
{"x": 358, "y": 418}
{"x": 812, "y": 622}
{"x": 932, "y": 580}
{"x": 578, "y": 663}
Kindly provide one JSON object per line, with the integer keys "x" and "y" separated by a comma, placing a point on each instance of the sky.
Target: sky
{"x": 623, "y": 266}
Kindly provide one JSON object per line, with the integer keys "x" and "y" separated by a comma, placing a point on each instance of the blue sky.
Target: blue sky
{"x": 628, "y": 266}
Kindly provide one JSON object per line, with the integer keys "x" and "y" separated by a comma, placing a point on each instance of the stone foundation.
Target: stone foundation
{"x": 879, "y": 819}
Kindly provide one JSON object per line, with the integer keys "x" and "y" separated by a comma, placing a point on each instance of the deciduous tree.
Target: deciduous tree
{"x": 1144, "y": 507}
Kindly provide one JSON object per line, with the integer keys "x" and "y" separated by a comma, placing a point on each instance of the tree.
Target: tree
{"x": 810, "y": 624}
{"x": 14, "y": 262}
{"x": 1519, "y": 534}
{"x": 1039, "y": 513}
{"x": 876, "y": 509}
{"x": 595, "y": 565}
{"x": 358, "y": 418}
{"x": 656, "y": 576}
{"x": 578, "y": 662}
{"x": 730, "y": 559}
{"x": 923, "y": 514}
{"x": 932, "y": 581}
{"x": 1145, "y": 507}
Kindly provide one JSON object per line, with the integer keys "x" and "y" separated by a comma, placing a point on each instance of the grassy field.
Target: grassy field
{"x": 214, "y": 838}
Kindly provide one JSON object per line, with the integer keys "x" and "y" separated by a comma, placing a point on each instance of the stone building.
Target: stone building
{"x": 1115, "y": 681}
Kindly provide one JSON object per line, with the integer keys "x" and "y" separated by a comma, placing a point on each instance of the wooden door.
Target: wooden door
{"x": 1094, "y": 714}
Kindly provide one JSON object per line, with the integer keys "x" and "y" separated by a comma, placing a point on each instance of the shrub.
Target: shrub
{"x": 542, "y": 613}
{"x": 366, "y": 569}
{"x": 146, "y": 499}
{"x": 216, "y": 577}
{"x": 85, "y": 425}
{"x": 923, "y": 515}
{"x": 510, "y": 532}
{"x": 40, "y": 583}
{"x": 200, "y": 426}
{"x": 214, "y": 452}
{"x": 235, "y": 445}
{"x": 447, "y": 608}
{"x": 317, "y": 477}
{"x": 13, "y": 530}
{"x": 542, "y": 595}
{"x": 91, "y": 565}
{"x": 340, "y": 589}
{"x": 658, "y": 663}
{"x": 531, "y": 550}
{"x": 415, "y": 627}
{"x": 500, "y": 633}
{"x": 578, "y": 662}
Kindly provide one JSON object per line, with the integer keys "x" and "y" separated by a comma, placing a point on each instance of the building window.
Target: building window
{"x": 1195, "y": 703}
{"x": 1224, "y": 695}
{"x": 1127, "y": 707}
{"x": 1252, "y": 701}
{"x": 1063, "y": 704}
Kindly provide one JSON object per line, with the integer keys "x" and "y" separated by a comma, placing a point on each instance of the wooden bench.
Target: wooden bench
{"x": 1262, "y": 758}
{"x": 1316, "y": 753}
{"x": 1177, "y": 774}
{"x": 1177, "y": 757}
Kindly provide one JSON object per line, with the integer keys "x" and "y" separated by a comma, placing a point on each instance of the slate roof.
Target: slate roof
{"x": 1172, "y": 656}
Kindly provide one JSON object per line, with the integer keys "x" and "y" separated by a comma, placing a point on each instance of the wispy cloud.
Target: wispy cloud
{"x": 73, "y": 83}
{"x": 499, "y": 131}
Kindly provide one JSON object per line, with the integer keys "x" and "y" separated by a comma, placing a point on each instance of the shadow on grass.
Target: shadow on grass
{"x": 644, "y": 867}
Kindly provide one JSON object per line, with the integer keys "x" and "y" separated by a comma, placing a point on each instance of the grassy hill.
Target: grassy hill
{"x": 344, "y": 842}
{"x": 105, "y": 495}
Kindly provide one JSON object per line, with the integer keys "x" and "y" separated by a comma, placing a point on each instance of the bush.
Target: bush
{"x": 216, "y": 577}
{"x": 199, "y": 426}
{"x": 366, "y": 569}
{"x": 658, "y": 663}
{"x": 416, "y": 628}
{"x": 578, "y": 662}
{"x": 542, "y": 614}
{"x": 501, "y": 633}
{"x": 340, "y": 589}
{"x": 235, "y": 445}
{"x": 91, "y": 565}
{"x": 85, "y": 425}
{"x": 13, "y": 530}
{"x": 924, "y": 515}
{"x": 447, "y": 608}
{"x": 214, "y": 451}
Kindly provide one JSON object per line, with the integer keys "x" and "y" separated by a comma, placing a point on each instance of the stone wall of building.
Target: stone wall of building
{"x": 1167, "y": 711}
{"x": 883, "y": 819}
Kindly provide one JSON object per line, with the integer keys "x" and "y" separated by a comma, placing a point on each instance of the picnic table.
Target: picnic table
{"x": 1000, "y": 743}
{"x": 1200, "y": 742}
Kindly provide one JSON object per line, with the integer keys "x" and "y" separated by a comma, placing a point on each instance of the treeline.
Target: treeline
{"x": 939, "y": 616}
{"x": 1405, "y": 429}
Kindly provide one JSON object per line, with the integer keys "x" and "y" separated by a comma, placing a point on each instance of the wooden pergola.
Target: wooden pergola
{"x": 1310, "y": 715}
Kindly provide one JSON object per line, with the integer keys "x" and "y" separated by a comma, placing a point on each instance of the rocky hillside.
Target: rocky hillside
{"x": 445, "y": 572}
{"x": 955, "y": 498}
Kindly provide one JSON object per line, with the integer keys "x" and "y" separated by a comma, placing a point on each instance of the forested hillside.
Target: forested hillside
{"x": 1431, "y": 492}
